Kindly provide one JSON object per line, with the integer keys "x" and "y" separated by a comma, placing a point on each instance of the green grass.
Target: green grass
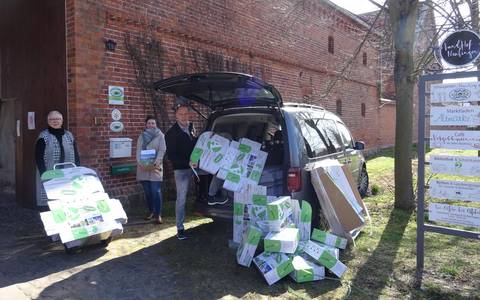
{"x": 383, "y": 263}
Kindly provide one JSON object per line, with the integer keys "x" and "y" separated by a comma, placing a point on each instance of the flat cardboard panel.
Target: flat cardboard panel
{"x": 346, "y": 214}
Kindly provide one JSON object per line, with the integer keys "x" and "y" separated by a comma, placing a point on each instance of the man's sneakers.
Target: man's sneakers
{"x": 212, "y": 200}
{"x": 181, "y": 235}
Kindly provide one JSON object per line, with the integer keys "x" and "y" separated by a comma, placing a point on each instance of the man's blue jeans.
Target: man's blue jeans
{"x": 182, "y": 180}
{"x": 153, "y": 194}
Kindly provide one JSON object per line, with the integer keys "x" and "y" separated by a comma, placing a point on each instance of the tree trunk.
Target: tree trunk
{"x": 403, "y": 16}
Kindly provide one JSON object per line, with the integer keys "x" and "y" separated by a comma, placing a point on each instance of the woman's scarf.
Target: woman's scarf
{"x": 148, "y": 135}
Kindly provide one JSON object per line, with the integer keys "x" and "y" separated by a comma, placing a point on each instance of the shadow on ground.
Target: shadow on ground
{"x": 373, "y": 276}
{"x": 202, "y": 267}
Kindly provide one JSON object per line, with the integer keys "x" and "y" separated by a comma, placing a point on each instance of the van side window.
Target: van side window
{"x": 334, "y": 141}
{"x": 346, "y": 136}
{"x": 313, "y": 138}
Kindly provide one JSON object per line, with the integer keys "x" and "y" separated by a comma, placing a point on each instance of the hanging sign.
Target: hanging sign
{"x": 460, "y": 48}
{"x": 455, "y": 139}
{"x": 455, "y": 165}
{"x": 116, "y": 95}
{"x": 455, "y": 190}
{"x": 455, "y": 92}
{"x": 455, "y": 115}
{"x": 454, "y": 215}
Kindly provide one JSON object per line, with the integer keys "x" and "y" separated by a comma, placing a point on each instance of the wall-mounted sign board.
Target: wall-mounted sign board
{"x": 454, "y": 215}
{"x": 455, "y": 139}
{"x": 455, "y": 115}
{"x": 455, "y": 190}
{"x": 116, "y": 95}
{"x": 455, "y": 165}
{"x": 455, "y": 92}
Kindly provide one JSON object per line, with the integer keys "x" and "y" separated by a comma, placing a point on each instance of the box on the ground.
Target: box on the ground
{"x": 273, "y": 266}
{"x": 257, "y": 211}
{"x": 328, "y": 239}
{"x": 279, "y": 213}
{"x": 238, "y": 221}
{"x": 323, "y": 256}
{"x": 242, "y": 202}
{"x": 305, "y": 221}
{"x": 339, "y": 198}
{"x": 248, "y": 246}
{"x": 286, "y": 241}
{"x": 305, "y": 270}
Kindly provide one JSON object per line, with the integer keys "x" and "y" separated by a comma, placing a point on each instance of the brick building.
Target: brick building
{"x": 54, "y": 55}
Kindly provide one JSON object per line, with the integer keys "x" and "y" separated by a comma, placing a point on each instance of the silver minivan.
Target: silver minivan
{"x": 294, "y": 135}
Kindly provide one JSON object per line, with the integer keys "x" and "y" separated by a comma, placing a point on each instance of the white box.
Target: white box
{"x": 120, "y": 147}
{"x": 274, "y": 266}
{"x": 323, "y": 256}
{"x": 328, "y": 239}
{"x": 285, "y": 241}
{"x": 305, "y": 270}
{"x": 279, "y": 213}
{"x": 247, "y": 249}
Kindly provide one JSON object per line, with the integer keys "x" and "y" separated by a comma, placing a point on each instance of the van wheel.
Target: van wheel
{"x": 363, "y": 182}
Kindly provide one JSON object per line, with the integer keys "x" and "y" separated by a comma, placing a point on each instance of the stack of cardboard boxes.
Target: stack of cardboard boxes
{"x": 80, "y": 210}
{"x": 282, "y": 223}
{"x": 288, "y": 246}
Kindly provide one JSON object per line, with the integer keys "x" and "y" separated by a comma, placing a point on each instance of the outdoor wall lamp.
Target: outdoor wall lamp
{"x": 110, "y": 45}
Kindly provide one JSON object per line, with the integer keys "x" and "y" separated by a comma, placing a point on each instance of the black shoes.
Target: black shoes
{"x": 181, "y": 235}
{"x": 212, "y": 200}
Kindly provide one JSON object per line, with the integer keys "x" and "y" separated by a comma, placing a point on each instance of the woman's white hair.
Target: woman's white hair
{"x": 54, "y": 112}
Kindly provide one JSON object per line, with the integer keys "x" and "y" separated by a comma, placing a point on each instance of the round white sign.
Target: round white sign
{"x": 116, "y": 126}
{"x": 116, "y": 114}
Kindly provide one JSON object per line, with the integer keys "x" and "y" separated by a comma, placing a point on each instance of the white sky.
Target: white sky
{"x": 357, "y": 6}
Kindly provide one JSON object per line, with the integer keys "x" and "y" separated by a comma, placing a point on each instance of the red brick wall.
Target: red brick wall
{"x": 283, "y": 42}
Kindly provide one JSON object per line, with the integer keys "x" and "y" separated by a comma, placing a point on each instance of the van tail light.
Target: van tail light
{"x": 294, "y": 180}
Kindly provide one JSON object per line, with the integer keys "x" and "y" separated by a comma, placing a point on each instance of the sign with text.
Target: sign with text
{"x": 455, "y": 165}
{"x": 460, "y": 47}
{"x": 455, "y": 92}
{"x": 455, "y": 139}
{"x": 455, "y": 190}
{"x": 454, "y": 215}
{"x": 455, "y": 115}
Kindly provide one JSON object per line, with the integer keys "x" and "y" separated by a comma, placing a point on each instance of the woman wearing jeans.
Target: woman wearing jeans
{"x": 150, "y": 151}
